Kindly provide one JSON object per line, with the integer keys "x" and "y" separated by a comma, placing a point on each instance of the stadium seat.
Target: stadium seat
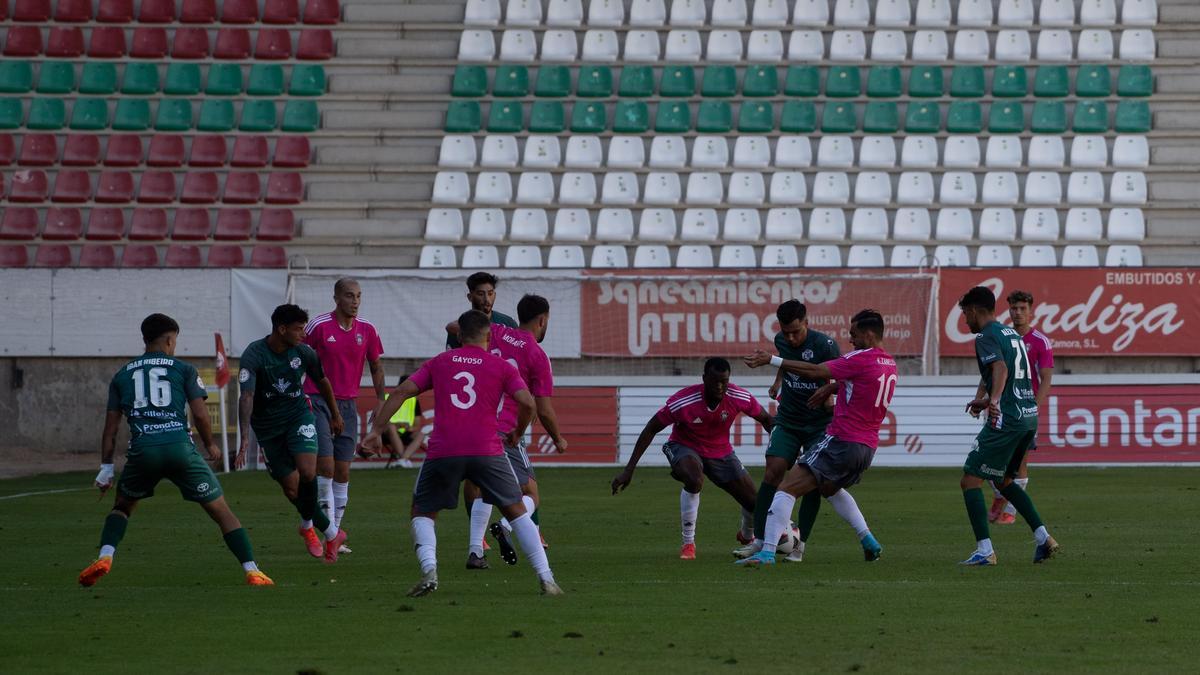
{"x": 827, "y": 224}
{"x": 594, "y": 82}
{"x": 486, "y": 225}
{"x": 994, "y": 255}
{"x": 746, "y": 188}
{"x": 614, "y": 225}
{"x": 1085, "y": 187}
{"x": 822, "y": 255}
{"x": 950, "y": 255}
{"x": 282, "y": 187}
{"x": 673, "y": 118}
{"x": 1004, "y": 152}
{"x": 457, "y": 151}
{"x": 784, "y": 224}
{"x": 683, "y": 46}
{"x": 89, "y": 114}
{"x": 523, "y": 257}
{"x": 199, "y": 11}
{"x": 1123, "y": 256}
{"x": 535, "y": 187}
{"x": 107, "y": 42}
{"x": 662, "y": 189}
{"x": 835, "y": 152}
{"x": 148, "y": 225}
{"x": 930, "y": 45}
{"x": 1043, "y": 187}
{"x": 599, "y": 46}
{"x": 971, "y": 46}
{"x": 248, "y": 151}
{"x": 788, "y": 188}
{"x": 234, "y": 43}
{"x": 647, "y": 13}
{"x": 266, "y": 79}
{"x": 641, "y": 46}
{"x": 183, "y": 79}
{"x": 183, "y": 255}
{"x": 870, "y": 187}
{"x": 710, "y": 152}
{"x": 1039, "y": 224}
{"x": 62, "y": 224}
{"x": 1128, "y": 187}
{"x": 16, "y": 76}
{"x": 780, "y": 256}
{"x": 156, "y": 187}
{"x": 518, "y": 45}
{"x": 921, "y": 152}
{"x": 583, "y": 152}
{"x": 167, "y": 150}
{"x": 105, "y": 224}
{"x": 99, "y": 255}
{"x": 619, "y": 188}
{"x": 738, "y": 257}
{"x": 529, "y": 225}
{"x": 1001, "y": 188}
{"x": 23, "y": 41}
{"x": 915, "y": 187}
{"x": 908, "y": 255}
{"x": 724, "y": 46}
{"x": 1139, "y": 12}
{"x": 911, "y": 224}
{"x": 955, "y": 224}
{"x": 499, "y": 152}
{"x": 742, "y": 225}
{"x": 440, "y": 225}
{"x": 1132, "y": 117}
{"x": 55, "y": 255}
{"x": 998, "y": 224}
{"x": 1123, "y": 225}
{"x": 315, "y": 45}
{"x": 869, "y": 224}
{"x": 572, "y": 225}
{"x": 569, "y": 13}
{"x": 1135, "y": 45}
{"x": 200, "y": 188}
{"x": 476, "y": 45}
{"x": 481, "y": 13}
{"x": 847, "y": 45}
{"x": 190, "y": 43}
{"x": 1046, "y": 152}
{"x": 491, "y": 187}
{"x": 765, "y": 45}
{"x": 1083, "y": 224}
{"x": 609, "y": 256}
{"x": 831, "y": 187}
{"x": 751, "y": 152}
{"x": 257, "y": 116}
{"x": 191, "y": 225}
{"x": 958, "y": 187}
{"x": 648, "y": 256}
{"x": 699, "y": 225}
{"x": 151, "y": 43}
{"x": 28, "y": 187}
{"x": 38, "y": 150}
{"x": 271, "y": 256}
{"x": 1006, "y": 118}
{"x": 65, "y": 42}
{"x": 72, "y": 186}
{"x": 625, "y": 153}
{"x": 694, "y": 256}
{"x": 586, "y": 118}
{"x": 58, "y": 77}
{"x": 889, "y": 45}
{"x": 230, "y": 255}
{"x": 19, "y": 224}
{"x": 1054, "y": 45}
{"x": 793, "y": 152}
{"x": 1080, "y": 256}
{"x": 631, "y": 117}
{"x": 480, "y": 257}
{"x": 565, "y": 257}
{"x": 865, "y": 255}
{"x": 283, "y": 12}
{"x": 174, "y": 115}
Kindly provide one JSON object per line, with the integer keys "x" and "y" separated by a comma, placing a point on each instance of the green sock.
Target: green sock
{"x": 1023, "y": 504}
{"x": 306, "y": 505}
{"x": 810, "y": 506}
{"x": 114, "y": 529}
{"x": 978, "y": 513}
{"x": 534, "y": 517}
{"x": 762, "y": 504}
{"x": 239, "y": 542}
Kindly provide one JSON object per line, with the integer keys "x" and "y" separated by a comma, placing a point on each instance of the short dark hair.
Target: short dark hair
{"x": 480, "y": 278}
{"x": 1020, "y": 296}
{"x": 979, "y": 297}
{"x": 792, "y": 310}
{"x": 716, "y": 365}
{"x": 472, "y": 324}
{"x": 868, "y": 320}
{"x": 531, "y": 307}
{"x": 288, "y": 314}
{"x": 341, "y": 284}
{"x": 156, "y": 326}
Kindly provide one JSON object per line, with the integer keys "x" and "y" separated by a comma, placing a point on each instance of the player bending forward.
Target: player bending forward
{"x": 151, "y": 392}
{"x": 700, "y": 417}
{"x": 468, "y": 384}
{"x": 866, "y": 384}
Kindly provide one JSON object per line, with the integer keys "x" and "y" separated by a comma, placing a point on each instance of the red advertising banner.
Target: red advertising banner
{"x": 1086, "y": 312}
{"x": 730, "y": 314}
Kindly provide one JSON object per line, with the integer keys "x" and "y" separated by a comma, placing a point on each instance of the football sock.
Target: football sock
{"x": 113, "y": 532}
{"x": 341, "y": 495}
{"x": 747, "y": 529}
{"x": 977, "y": 512}
{"x": 250, "y": 566}
{"x": 107, "y": 551}
{"x": 1024, "y": 505}
{"x": 1024, "y": 483}
{"x": 306, "y": 524}
{"x": 481, "y": 513}
{"x": 306, "y": 505}
{"x": 810, "y": 506}
{"x": 529, "y": 508}
{"x": 531, "y": 546}
{"x": 239, "y": 542}
{"x": 843, "y": 502}
{"x": 762, "y": 504}
{"x": 689, "y": 508}
{"x": 778, "y": 519}
{"x": 425, "y": 543}
{"x": 325, "y": 496}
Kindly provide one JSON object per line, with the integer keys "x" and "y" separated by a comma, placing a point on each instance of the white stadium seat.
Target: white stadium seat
{"x": 811, "y": 13}
{"x": 730, "y": 13}
{"x": 911, "y": 224}
{"x": 971, "y": 46}
{"x": 1043, "y": 187}
{"x": 1095, "y": 45}
{"x": 877, "y": 152}
{"x": 780, "y": 256}
{"x": 994, "y": 255}
{"x": 1004, "y": 152}
{"x": 451, "y": 187}
{"x": 478, "y": 257}
{"x": 1018, "y": 13}
{"x": 650, "y": 256}
{"x": 1057, "y": 13}
{"x": 457, "y": 152}
{"x": 752, "y": 152}
{"x": 1083, "y": 224}
{"x": 1013, "y": 46}
{"x": 998, "y": 224}
{"x": 694, "y": 255}
{"x": 649, "y": 13}
{"x": 704, "y": 189}
{"x": 915, "y": 187}
{"x": 487, "y": 225}
{"x": 788, "y": 188}
{"x": 1001, "y": 187}
{"x": 572, "y": 225}
{"x": 1123, "y": 256}
{"x": 601, "y": 46}
{"x": 723, "y": 46}
{"x": 519, "y": 45}
{"x": 975, "y": 13}
{"x": 1139, "y": 12}
{"x": 742, "y": 225}
{"x": 529, "y": 225}
{"x": 1136, "y": 45}
{"x": 477, "y": 45}
{"x": 873, "y": 187}
{"x": 933, "y": 13}
{"x": 523, "y": 257}
{"x": 438, "y": 257}
{"x": 865, "y": 255}
{"x": 958, "y": 187}
{"x": 822, "y": 256}
{"x": 1126, "y": 225}
{"x": 835, "y": 152}
{"x": 746, "y": 188}
{"x": 565, "y": 13}
{"x": 930, "y": 45}
{"x": 825, "y": 224}
{"x": 1055, "y": 45}
{"x": 614, "y": 225}
{"x": 908, "y": 255}
{"x": 889, "y": 46}
{"x": 1085, "y": 187}
{"x": 793, "y": 152}
{"x": 609, "y": 256}
{"x": 522, "y": 12}
{"x": 1038, "y": 255}
{"x": 689, "y": 12}
{"x": 1089, "y": 152}
{"x": 1046, "y": 152}
{"x": 620, "y": 188}
{"x": 626, "y": 152}
{"x": 806, "y": 45}
{"x": 700, "y": 225}
{"x": 784, "y": 225}
{"x": 542, "y": 152}
{"x": 1082, "y": 255}
{"x": 668, "y": 152}
{"x": 482, "y": 13}
{"x": 577, "y": 188}
{"x": 565, "y": 257}
{"x": 948, "y": 255}
{"x": 921, "y": 152}
{"x": 1039, "y": 224}
{"x": 961, "y": 152}
{"x": 770, "y": 13}
{"x": 847, "y": 45}
{"x": 608, "y": 13}
{"x": 955, "y": 225}
{"x": 444, "y": 225}
{"x": 831, "y": 187}
{"x": 583, "y": 152}
{"x": 893, "y": 13}
{"x": 1131, "y": 152}
{"x": 852, "y": 13}
{"x": 535, "y": 187}
{"x": 559, "y": 45}
{"x": 657, "y": 225}
{"x": 683, "y": 46}
{"x": 765, "y": 46}
{"x": 662, "y": 189}
{"x": 642, "y": 46}
{"x": 869, "y": 225}
{"x": 499, "y": 152}
{"x": 1098, "y": 12}
{"x": 710, "y": 152}
{"x": 1128, "y": 187}
{"x": 739, "y": 256}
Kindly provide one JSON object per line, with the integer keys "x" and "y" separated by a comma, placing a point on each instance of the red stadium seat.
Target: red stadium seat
{"x": 139, "y": 255}
{"x": 3, "y": 10}
{"x": 53, "y": 255}
{"x": 315, "y": 45}
{"x": 72, "y": 187}
{"x": 19, "y": 224}
{"x": 82, "y": 150}
{"x": 232, "y": 43}
{"x": 106, "y": 224}
{"x": 157, "y": 11}
{"x": 157, "y": 187}
{"x": 8, "y": 149}
{"x": 149, "y": 43}
{"x": 191, "y": 225}
{"x": 166, "y": 150}
{"x": 226, "y": 255}
{"x": 31, "y": 10}
{"x": 73, "y": 11}
{"x": 115, "y": 11}
{"x": 273, "y": 44}
{"x": 18, "y": 256}
{"x": 200, "y": 188}
{"x": 276, "y": 225}
{"x": 115, "y": 187}
{"x": 242, "y": 188}
{"x": 23, "y": 41}
{"x": 184, "y": 255}
{"x": 123, "y": 150}
{"x": 148, "y": 225}
{"x": 208, "y": 150}
{"x": 62, "y": 224}
{"x": 65, "y": 41}
{"x": 199, "y": 11}
{"x": 250, "y": 152}
{"x": 97, "y": 255}
{"x": 108, "y": 42}
{"x": 29, "y": 187}
{"x": 239, "y": 11}
{"x": 190, "y": 43}
{"x": 233, "y": 225}
{"x": 322, "y": 12}
{"x": 268, "y": 256}
{"x": 292, "y": 152}
{"x": 281, "y": 12}
{"x": 38, "y": 150}
{"x": 285, "y": 188}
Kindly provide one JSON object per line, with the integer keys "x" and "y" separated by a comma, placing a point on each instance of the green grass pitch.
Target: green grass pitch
{"x": 1123, "y": 596}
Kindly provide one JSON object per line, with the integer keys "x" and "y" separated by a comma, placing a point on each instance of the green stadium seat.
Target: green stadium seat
{"x": 1093, "y": 81}
{"x": 89, "y": 114}
{"x": 884, "y": 82}
{"x": 1131, "y": 81}
{"x": 266, "y": 79}
{"x": 1049, "y": 117}
{"x": 469, "y": 81}
{"x": 216, "y": 115}
{"x": 843, "y": 82}
{"x": 462, "y": 117}
{"x": 506, "y": 117}
{"x": 11, "y": 114}
{"x": 714, "y": 117}
{"x": 760, "y": 81}
{"x": 1009, "y": 82}
{"x": 588, "y": 118}
{"x": 719, "y": 82}
{"x": 594, "y": 82}
{"x": 673, "y": 118}
{"x": 925, "y": 82}
{"x": 303, "y": 116}
{"x": 798, "y": 117}
{"x": 1133, "y": 117}
{"x": 547, "y": 117}
{"x": 511, "y": 81}
{"x": 1006, "y": 118}
{"x": 967, "y": 82}
{"x": 964, "y": 117}
{"x": 141, "y": 79}
{"x": 174, "y": 114}
{"x": 47, "y": 114}
{"x": 881, "y": 117}
{"x": 631, "y": 117}
{"x": 185, "y": 79}
{"x": 16, "y": 76}
{"x": 923, "y": 118}
{"x": 677, "y": 81}
{"x": 802, "y": 81}
{"x": 636, "y": 82}
{"x": 552, "y": 82}
{"x": 132, "y": 115}
{"x": 307, "y": 80}
{"x": 839, "y": 118}
{"x": 756, "y": 117}
{"x": 1051, "y": 82}
{"x": 1091, "y": 117}
{"x": 58, "y": 77}
{"x": 258, "y": 116}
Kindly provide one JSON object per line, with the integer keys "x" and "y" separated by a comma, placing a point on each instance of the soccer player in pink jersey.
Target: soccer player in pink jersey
{"x": 701, "y": 416}
{"x": 343, "y": 341}
{"x": 468, "y": 385}
{"x": 1041, "y": 358}
{"x": 866, "y": 380}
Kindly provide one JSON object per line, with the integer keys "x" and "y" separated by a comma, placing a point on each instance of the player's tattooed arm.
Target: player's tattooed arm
{"x": 549, "y": 420}
{"x": 245, "y": 412}
{"x": 203, "y": 424}
{"x": 652, "y": 429}
{"x": 401, "y": 393}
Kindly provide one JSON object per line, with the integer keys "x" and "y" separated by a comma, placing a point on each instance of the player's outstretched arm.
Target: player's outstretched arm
{"x": 203, "y": 424}
{"x": 245, "y": 412}
{"x": 812, "y": 371}
{"x": 403, "y": 391}
{"x": 108, "y": 448}
{"x": 549, "y": 420}
{"x": 623, "y": 479}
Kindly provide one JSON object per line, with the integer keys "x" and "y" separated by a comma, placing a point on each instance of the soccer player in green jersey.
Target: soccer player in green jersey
{"x": 481, "y": 293}
{"x": 1012, "y": 411}
{"x": 154, "y": 392}
{"x": 800, "y": 424}
{"x": 273, "y": 405}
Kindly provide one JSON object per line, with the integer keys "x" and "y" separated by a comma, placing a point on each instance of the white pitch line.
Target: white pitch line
{"x": 43, "y": 492}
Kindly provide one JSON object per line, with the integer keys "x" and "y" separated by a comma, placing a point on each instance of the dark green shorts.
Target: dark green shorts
{"x": 790, "y": 444}
{"x": 997, "y": 453}
{"x": 298, "y": 438}
{"x": 178, "y": 463}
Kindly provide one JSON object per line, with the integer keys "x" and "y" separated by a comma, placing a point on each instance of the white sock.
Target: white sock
{"x": 689, "y": 508}
{"x": 425, "y": 543}
{"x": 847, "y": 508}
{"x": 331, "y": 531}
{"x": 1024, "y": 485}
{"x": 250, "y": 566}
{"x": 306, "y": 524}
{"x": 325, "y": 496}
{"x": 481, "y": 513}
{"x": 747, "y": 524}
{"x": 1041, "y": 535}
{"x": 778, "y": 520}
{"x": 531, "y": 546}
{"x": 996, "y": 492}
{"x": 984, "y": 546}
{"x": 341, "y": 495}
{"x": 529, "y": 508}
{"x": 107, "y": 551}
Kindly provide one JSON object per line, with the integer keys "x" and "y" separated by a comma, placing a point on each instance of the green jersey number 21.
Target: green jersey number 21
{"x": 1021, "y": 363}
{"x": 160, "y": 389}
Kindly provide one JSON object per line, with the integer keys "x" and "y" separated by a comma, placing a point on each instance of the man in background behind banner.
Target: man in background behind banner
{"x": 404, "y": 436}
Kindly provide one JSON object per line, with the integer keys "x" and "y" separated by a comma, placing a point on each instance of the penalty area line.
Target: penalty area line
{"x": 42, "y": 492}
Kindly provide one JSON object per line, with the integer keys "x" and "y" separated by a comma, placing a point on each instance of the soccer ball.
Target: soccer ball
{"x": 789, "y": 541}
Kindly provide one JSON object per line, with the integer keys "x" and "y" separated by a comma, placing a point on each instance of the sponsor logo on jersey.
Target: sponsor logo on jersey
{"x": 724, "y": 415}
{"x": 307, "y": 430}
{"x": 358, "y": 338}
{"x": 282, "y": 385}
{"x": 697, "y": 421}
{"x": 203, "y": 487}
{"x": 328, "y": 339}
{"x": 199, "y": 382}
{"x": 295, "y": 363}
{"x": 807, "y": 354}
{"x": 243, "y": 375}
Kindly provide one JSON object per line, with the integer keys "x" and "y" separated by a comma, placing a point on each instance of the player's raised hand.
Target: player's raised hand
{"x": 622, "y": 481}
{"x": 104, "y": 479}
{"x": 758, "y": 359}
